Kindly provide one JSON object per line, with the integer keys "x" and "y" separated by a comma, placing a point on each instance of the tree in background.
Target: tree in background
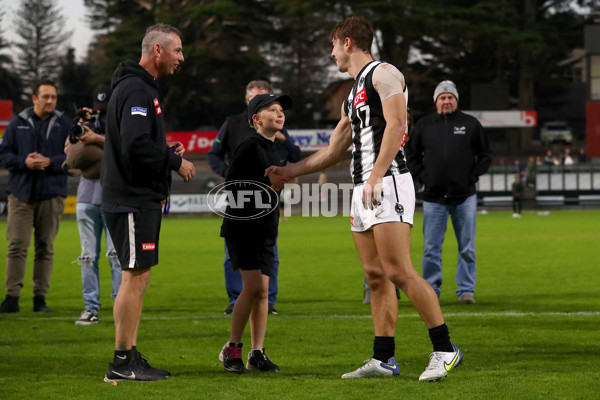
{"x": 220, "y": 44}
{"x": 516, "y": 43}
{"x": 41, "y": 28}
{"x": 11, "y": 84}
{"x": 76, "y": 90}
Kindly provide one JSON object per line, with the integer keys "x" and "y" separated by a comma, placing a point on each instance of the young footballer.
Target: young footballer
{"x": 374, "y": 121}
{"x": 250, "y": 229}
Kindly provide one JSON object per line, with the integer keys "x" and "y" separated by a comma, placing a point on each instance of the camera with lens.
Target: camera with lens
{"x": 82, "y": 118}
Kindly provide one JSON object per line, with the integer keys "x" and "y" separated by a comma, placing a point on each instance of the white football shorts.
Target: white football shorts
{"x": 398, "y": 204}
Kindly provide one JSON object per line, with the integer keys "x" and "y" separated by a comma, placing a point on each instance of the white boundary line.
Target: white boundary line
{"x": 337, "y": 316}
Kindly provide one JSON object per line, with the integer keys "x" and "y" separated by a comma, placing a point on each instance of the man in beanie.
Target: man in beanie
{"x": 447, "y": 153}
{"x": 86, "y": 154}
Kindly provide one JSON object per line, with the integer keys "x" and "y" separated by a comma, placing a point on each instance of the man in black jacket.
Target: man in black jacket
{"x": 447, "y": 153}
{"x": 234, "y": 131}
{"x": 135, "y": 180}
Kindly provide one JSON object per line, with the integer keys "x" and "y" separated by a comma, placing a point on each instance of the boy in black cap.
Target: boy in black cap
{"x": 250, "y": 228}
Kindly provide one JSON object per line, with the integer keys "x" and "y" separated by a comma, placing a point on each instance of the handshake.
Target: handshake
{"x": 278, "y": 176}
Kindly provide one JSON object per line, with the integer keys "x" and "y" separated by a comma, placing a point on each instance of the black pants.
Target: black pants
{"x": 517, "y": 205}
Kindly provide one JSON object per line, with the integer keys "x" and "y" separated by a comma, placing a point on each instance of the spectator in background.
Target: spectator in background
{"x": 448, "y": 152}
{"x": 32, "y": 149}
{"x": 567, "y": 160}
{"x": 517, "y": 195}
{"x": 582, "y": 157}
{"x": 531, "y": 172}
{"x": 85, "y": 153}
{"x": 234, "y": 130}
{"x": 549, "y": 158}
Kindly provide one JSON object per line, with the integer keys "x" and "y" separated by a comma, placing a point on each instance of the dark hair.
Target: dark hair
{"x": 158, "y": 33}
{"x": 43, "y": 81}
{"x": 358, "y": 29}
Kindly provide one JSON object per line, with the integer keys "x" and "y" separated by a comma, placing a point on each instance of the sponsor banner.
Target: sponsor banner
{"x": 311, "y": 139}
{"x": 592, "y": 137}
{"x": 200, "y": 142}
{"x": 192, "y": 203}
{"x": 194, "y": 142}
{"x": 70, "y": 205}
{"x": 505, "y": 119}
{"x": 5, "y": 114}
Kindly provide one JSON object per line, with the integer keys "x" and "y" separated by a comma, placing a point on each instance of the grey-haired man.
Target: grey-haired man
{"x": 447, "y": 153}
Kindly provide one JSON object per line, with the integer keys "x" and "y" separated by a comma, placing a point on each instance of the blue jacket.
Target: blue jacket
{"x": 19, "y": 141}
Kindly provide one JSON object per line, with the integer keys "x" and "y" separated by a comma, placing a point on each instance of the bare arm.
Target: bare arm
{"x": 341, "y": 139}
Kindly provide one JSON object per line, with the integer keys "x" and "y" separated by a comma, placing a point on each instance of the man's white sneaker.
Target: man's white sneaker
{"x": 375, "y": 368}
{"x": 440, "y": 363}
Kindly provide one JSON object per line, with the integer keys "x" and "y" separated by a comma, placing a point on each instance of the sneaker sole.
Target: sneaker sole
{"x": 111, "y": 380}
{"x": 85, "y": 322}
{"x": 251, "y": 367}
{"x": 230, "y": 369}
{"x": 442, "y": 377}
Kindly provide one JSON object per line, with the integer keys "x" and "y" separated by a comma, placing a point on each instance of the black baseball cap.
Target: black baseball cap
{"x": 101, "y": 97}
{"x": 261, "y": 100}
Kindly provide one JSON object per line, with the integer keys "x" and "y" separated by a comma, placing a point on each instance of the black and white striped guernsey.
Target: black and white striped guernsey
{"x": 363, "y": 107}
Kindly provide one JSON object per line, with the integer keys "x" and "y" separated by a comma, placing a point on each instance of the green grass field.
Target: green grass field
{"x": 534, "y": 332}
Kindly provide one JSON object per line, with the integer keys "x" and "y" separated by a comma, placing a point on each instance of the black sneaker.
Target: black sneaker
{"x": 232, "y": 359}
{"x": 10, "y": 305}
{"x": 87, "y": 318}
{"x": 272, "y": 309}
{"x": 39, "y": 304}
{"x": 229, "y": 308}
{"x": 134, "y": 371}
{"x": 258, "y": 360}
{"x": 144, "y": 363}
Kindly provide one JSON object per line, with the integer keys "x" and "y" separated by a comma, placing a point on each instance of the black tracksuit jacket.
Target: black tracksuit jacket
{"x": 447, "y": 153}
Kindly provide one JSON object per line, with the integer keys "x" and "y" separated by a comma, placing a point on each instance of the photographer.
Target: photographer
{"x": 84, "y": 151}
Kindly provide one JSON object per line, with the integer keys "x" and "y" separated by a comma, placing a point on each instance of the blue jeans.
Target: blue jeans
{"x": 233, "y": 279}
{"x": 435, "y": 221}
{"x": 90, "y": 221}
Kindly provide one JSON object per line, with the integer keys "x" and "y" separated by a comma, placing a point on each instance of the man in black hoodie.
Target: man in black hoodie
{"x": 447, "y": 153}
{"x": 135, "y": 180}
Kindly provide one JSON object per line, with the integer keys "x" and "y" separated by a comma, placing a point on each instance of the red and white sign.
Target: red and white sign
{"x": 194, "y": 142}
{"x": 148, "y": 246}
{"x": 5, "y": 114}
{"x": 506, "y": 119}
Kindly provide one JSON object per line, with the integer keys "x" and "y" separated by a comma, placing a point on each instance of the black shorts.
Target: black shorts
{"x": 135, "y": 236}
{"x": 250, "y": 255}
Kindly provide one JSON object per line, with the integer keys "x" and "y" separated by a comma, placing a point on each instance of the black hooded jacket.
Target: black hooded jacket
{"x": 447, "y": 153}
{"x": 136, "y": 159}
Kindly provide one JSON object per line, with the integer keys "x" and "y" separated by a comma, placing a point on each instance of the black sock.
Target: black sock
{"x": 440, "y": 338}
{"x": 384, "y": 348}
{"x": 121, "y": 357}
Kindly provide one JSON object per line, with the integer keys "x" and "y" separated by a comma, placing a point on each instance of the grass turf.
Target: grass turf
{"x": 534, "y": 332}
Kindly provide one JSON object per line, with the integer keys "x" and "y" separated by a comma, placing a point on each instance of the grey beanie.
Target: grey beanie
{"x": 445, "y": 87}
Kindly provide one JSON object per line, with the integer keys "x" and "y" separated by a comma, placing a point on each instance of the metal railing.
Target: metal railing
{"x": 583, "y": 178}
